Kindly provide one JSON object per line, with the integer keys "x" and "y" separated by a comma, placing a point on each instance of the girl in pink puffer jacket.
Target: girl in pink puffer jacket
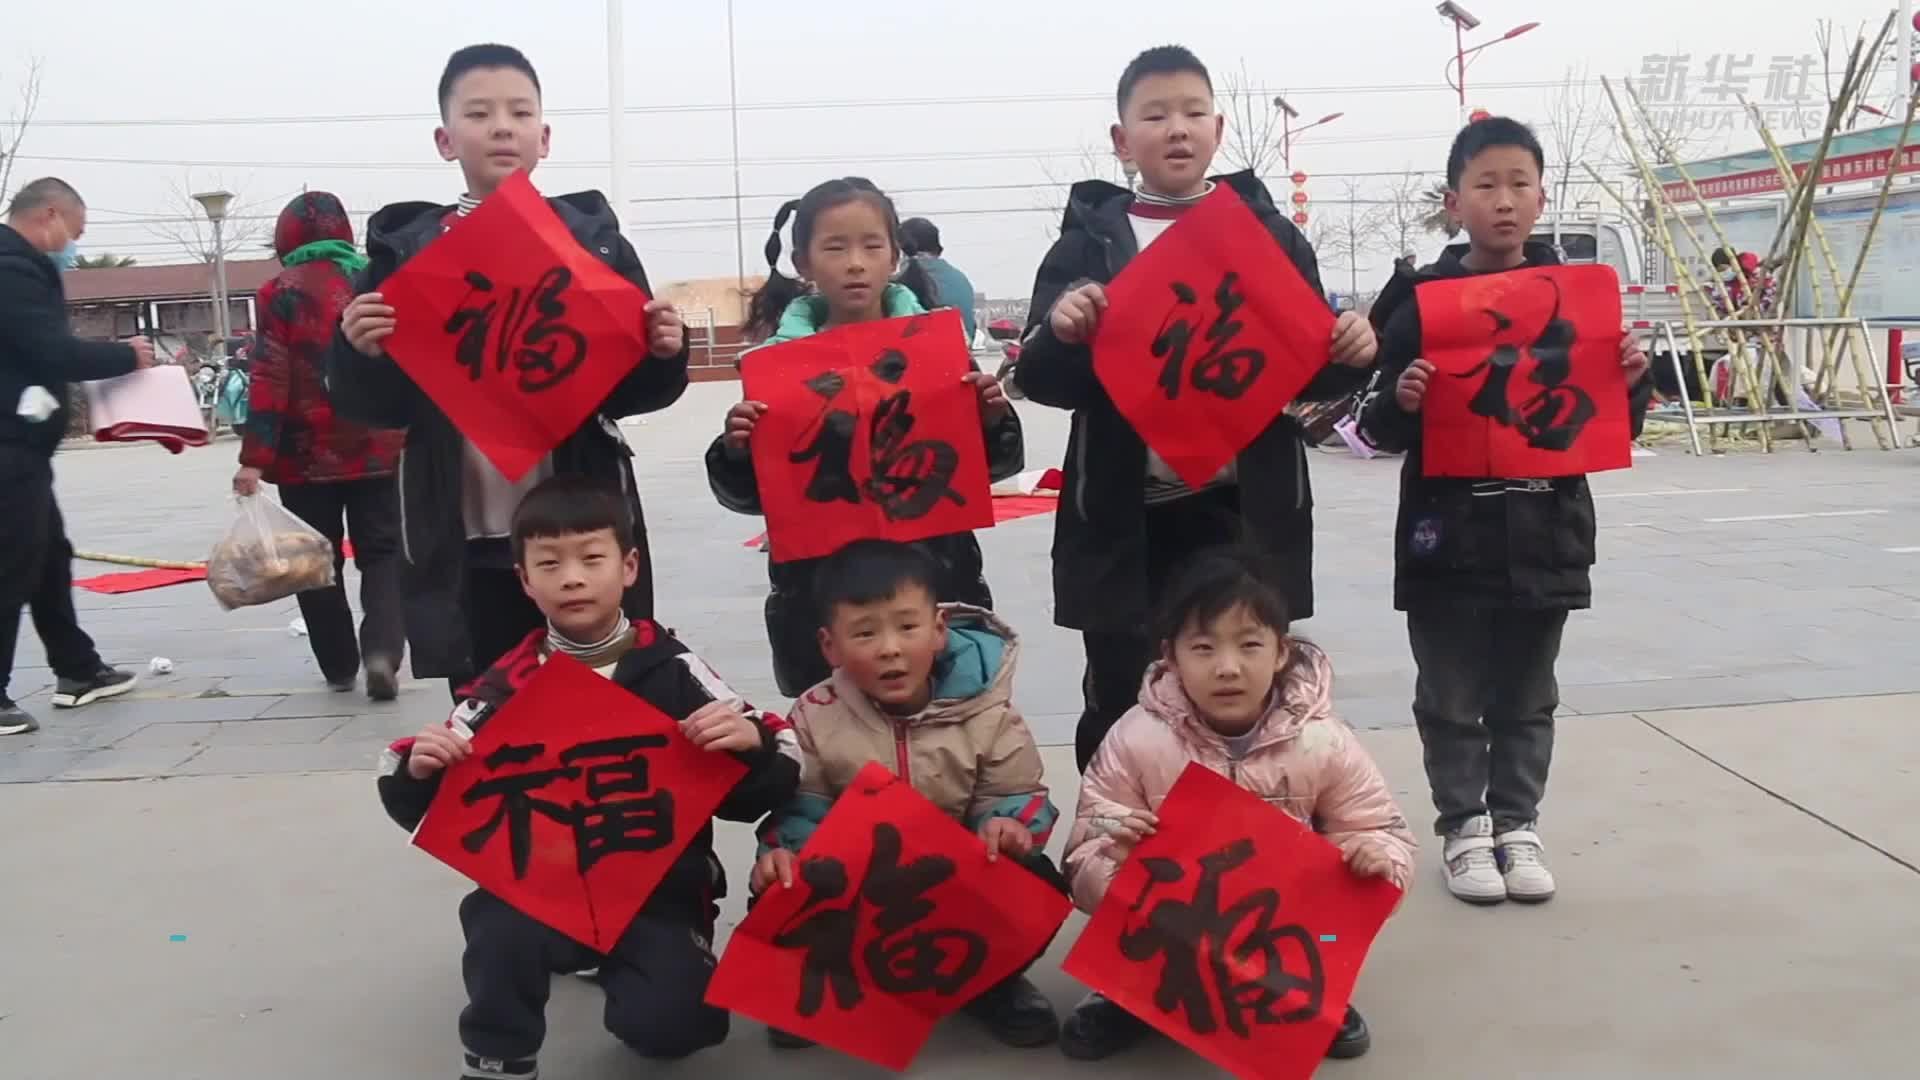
{"x": 1234, "y": 693}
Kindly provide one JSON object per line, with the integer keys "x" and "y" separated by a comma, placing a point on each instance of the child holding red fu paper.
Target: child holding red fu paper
{"x": 464, "y": 606}
{"x": 1486, "y": 570}
{"x": 574, "y": 560}
{"x": 1125, "y": 518}
{"x": 926, "y": 689}
{"x": 844, "y": 241}
{"x": 1234, "y": 693}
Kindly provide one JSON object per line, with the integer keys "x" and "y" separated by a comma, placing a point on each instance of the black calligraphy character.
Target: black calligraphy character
{"x": 907, "y": 479}
{"x": 940, "y": 960}
{"x": 827, "y": 936}
{"x": 832, "y": 445}
{"x": 606, "y": 826}
{"x": 517, "y": 802}
{"x": 1184, "y": 933}
{"x": 545, "y": 351}
{"x": 1220, "y": 371}
{"x": 1553, "y": 418}
{"x": 550, "y": 349}
{"x": 473, "y": 324}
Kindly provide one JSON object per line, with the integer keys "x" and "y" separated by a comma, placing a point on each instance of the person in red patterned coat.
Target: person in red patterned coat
{"x": 329, "y": 471}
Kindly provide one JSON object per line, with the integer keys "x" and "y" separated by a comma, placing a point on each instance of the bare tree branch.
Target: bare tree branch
{"x": 1578, "y": 132}
{"x": 1253, "y": 124}
{"x": 1405, "y": 214}
{"x": 187, "y": 227}
{"x": 14, "y": 131}
{"x": 1093, "y": 163}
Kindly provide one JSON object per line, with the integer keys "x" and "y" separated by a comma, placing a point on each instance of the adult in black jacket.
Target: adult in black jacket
{"x": 39, "y": 356}
{"x": 1112, "y": 552}
{"x": 464, "y": 607}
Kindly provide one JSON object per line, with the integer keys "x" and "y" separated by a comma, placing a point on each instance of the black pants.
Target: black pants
{"x": 1042, "y": 867}
{"x": 1117, "y": 660}
{"x": 1484, "y": 704}
{"x": 369, "y": 510}
{"x": 655, "y": 981}
{"x": 36, "y": 569}
{"x": 499, "y": 615}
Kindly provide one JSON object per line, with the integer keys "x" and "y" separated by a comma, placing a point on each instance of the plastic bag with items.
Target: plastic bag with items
{"x": 268, "y": 554}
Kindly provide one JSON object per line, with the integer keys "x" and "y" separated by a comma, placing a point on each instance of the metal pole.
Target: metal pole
{"x": 1904, "y": 78}
{"x": 1460, "y": 69}
{"x": 733, "y": 110}
{"x": 220, "y": 283}
{"x": 617, "y": 103}
{"x": 1286, "y": 140}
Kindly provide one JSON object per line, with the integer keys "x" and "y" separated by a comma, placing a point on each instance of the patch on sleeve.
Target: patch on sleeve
{"x": 710, "y": 680}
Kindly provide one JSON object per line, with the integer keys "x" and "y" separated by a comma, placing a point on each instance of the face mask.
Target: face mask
{"x": 67, "y": 256}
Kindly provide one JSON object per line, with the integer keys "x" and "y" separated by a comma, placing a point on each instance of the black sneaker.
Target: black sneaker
{"x": 1097, "y": 1029}
{"x": 382, "y": 684}
{"x": 486, "y": 1068}
{"x": 787, "y": 1040}
{"x": 1017, "y": 1013}
{"x": 102, "y": 684}
{"x": 1354, "y": 1039}
{"x": 15, "y": 720}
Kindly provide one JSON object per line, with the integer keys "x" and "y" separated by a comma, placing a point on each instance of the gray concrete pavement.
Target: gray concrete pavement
{"x": 1730, "y": 812}
{"x": 1705, "y": 927}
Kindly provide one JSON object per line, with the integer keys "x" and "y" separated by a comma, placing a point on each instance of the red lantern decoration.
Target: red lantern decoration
{"x": 1300, "y": 217}
{"x": 1301, "y": 178}
{"x": 1478, "y": 115}
{"x": 1300, "y": 198}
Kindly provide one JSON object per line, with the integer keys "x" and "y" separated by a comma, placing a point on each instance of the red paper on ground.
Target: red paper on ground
{"x": 1235, "y": 930}
{"x": 1208, "y": 335}
{"x": 1527, "y": 381}
{"x": 577, "y": 799}
{"x": 139, "y": 580}
{"x": 870, "y": 431}
{"x": 516, "y": 331}
{"x": 895, "y": 919}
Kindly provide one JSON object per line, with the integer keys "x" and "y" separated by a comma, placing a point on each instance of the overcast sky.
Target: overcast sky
{"x": 141, "y": 99}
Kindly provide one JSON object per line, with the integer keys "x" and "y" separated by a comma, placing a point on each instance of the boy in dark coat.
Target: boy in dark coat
{"x": 1125, "y": 520}
{"x": 575, "y": 557}
{"x": 464, "y": 606}
{"x": 1486, "y": 570}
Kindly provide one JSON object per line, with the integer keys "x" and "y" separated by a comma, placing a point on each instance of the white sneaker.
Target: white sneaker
{"x": 1524, "y": 866}
{"x": 1472, "y": 874}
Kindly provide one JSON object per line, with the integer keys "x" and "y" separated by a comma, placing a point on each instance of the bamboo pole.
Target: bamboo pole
{"x": 135, "y": 560}
{"x": 1696, "y": 341}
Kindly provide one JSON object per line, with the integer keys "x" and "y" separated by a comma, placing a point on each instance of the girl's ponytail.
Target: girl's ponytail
{"x": 771, "y": 300}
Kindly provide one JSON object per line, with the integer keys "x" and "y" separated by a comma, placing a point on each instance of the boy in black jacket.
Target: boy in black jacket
{"x": 1486, "y": 570}
{"x": 575, "y": 558}
{"x": 1125, "y": 519}
{"x": 464, "y": 607}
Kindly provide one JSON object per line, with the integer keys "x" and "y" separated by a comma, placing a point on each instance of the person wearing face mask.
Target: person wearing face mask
{"x": 38, "y": 357}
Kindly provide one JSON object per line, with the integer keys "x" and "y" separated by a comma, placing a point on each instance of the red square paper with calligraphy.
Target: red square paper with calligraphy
{"x": 870, "y": 431}
{"x": 513, "y": 329}
{"x": 1527, "y": 382}
{"x": 895, "y": 919}
{"x": 577, "y": 799}
{"x": 1235, "y": 930}
{"x": 1209, "y": 334}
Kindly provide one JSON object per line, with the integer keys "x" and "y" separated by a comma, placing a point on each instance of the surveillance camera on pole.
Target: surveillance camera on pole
{"x": 1459, "y": 15}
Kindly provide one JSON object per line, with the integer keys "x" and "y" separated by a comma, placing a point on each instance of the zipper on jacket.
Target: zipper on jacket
{"x": 1080, "y": 473}
{"x": 400, "y": 482}
{"x": 900, "y": 751}
{"x": 1299, "y": 473}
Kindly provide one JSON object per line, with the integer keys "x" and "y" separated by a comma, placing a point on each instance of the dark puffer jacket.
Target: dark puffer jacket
{"x": 377, "y": 392}
{"x": 1517, "y": 543}
{"x": 1100, "y": 563}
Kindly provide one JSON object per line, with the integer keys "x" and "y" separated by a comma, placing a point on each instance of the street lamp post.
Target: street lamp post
{"x": 1463, "y": 21}
{"x": 215, "y": 203}
{"x": 617, "y": 102}
{"x": 1288, "y": 114}
{"x": 733, "y": 111}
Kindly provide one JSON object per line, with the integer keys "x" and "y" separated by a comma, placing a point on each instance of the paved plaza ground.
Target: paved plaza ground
{"x": 1731, "y": 815}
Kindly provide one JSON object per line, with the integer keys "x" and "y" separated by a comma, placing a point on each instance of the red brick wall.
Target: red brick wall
{"x": 712, "y": 352}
